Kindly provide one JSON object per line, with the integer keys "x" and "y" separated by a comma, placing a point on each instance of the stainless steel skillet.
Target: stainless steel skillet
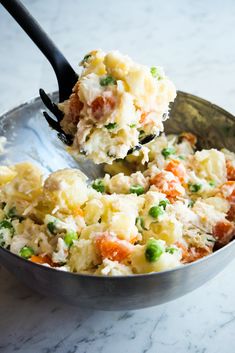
{"x": 30, "y": 139}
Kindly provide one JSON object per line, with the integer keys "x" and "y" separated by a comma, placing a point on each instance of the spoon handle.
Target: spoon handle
{"x": 65, "y": 74}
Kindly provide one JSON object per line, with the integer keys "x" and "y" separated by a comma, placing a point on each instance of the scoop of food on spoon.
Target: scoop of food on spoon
{"x": 112, "y": 110}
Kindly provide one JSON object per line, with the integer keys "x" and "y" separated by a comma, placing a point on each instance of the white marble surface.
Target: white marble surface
{"x": 194, "y": 41}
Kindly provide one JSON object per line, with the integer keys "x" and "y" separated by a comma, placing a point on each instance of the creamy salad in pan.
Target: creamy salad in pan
{"x": 140, "y": 218}
{"x": 164, "y": 205}
{"x": 115, "y": 104}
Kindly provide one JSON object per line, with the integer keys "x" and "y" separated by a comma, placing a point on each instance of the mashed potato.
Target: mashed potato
{"x": 178, "y": 209}
{"x": 115, "y": 104}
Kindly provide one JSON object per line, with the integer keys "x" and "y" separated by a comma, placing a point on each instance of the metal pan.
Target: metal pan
{"x": 29, "y": 138}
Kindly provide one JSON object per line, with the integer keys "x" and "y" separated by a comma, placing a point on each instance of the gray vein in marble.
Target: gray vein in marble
{"x": 152, "y": 333}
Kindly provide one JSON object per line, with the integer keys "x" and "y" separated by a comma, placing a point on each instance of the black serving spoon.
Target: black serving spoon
{"x": 65, "y": 74}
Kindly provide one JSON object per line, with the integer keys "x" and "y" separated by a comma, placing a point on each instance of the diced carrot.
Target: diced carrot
{"x": 183, "y": 248}
{"x": 110, "y": 103}
{"x": 143, "y": 117}
{"x": 172, "y": 187}
{"x": 41, "y": 259}
{"x": 192, "y": 253}
{"x": 178, "y": 169}
{"x": 75, "y": 106}
{"x": 101, "y": 106}
{"x": 196, "y": 254}
{"x": 228, "y": 191}
{"x": 97, "y": 107}
{"x": 113, "y": 248}
{"x": 230, "y": 170}
{"x": 223, "y": 232}
{"x": 231, "y": 213}
{"x": 191, "y": 138}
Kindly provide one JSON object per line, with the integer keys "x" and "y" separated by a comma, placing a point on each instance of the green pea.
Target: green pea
{"x": 137, "y": 189}
{"x": 98, "y": 185}
{"x": 6, "y": 224}
{"x": 51, "y": 226}
{"x": 164, "y": 203}
{"x": 166, "y": 152}
{"x": 70, "y": 237}
{"x": 194, "y": 187}
{"x": 156, "y": 211}
{"x": 108, "y": 80}
{"x": 26, "y": 252}
{"x": 111, "y": 126}
{"x": 153, "y": 250}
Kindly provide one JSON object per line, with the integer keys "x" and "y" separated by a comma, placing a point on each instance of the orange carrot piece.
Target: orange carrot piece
{"x": 230, "y": 170}
{"x": 223, "y": 232}
{"x": 191, "y": 138}
{"x": 231, "y": 213}
{"x": 178, "y": 169}
{"x": 228, "y": 191}
{"x": 112, "y": 248}
{"x": 41, "y": 259}
{"x": 101, "y": 106}
{"x": 172, "y": 188}
{"x": 192, "y": 253}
